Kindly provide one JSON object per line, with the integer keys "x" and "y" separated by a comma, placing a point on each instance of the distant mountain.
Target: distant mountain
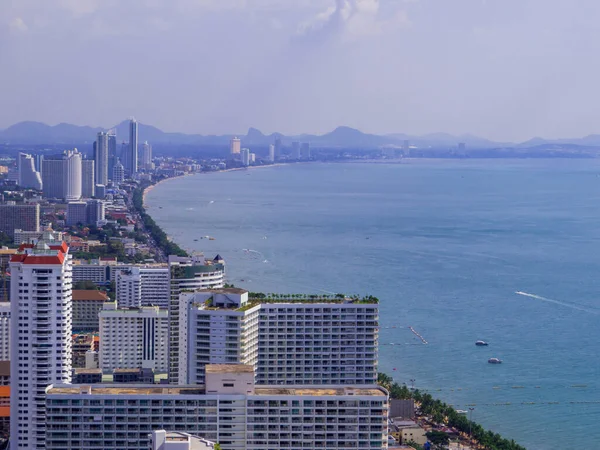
{"x": 342, "y": 137}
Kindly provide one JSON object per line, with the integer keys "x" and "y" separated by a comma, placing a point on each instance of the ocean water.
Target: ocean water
{"x": 505, "y": 251}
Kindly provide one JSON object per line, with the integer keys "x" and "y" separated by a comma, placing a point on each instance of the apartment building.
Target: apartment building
{"x": 19, "y": 217}
{"x": 131, "y": 338}
{"x": 40, "y": 334}
{"x": 4, "y": 331}
{"x": 289, "y": 341}
{"x": 230, "y": 410}
{"x": 188, "y": 274}
{"x": 27, "y": 237}
{"x": 146, "y": 285}
{"x": 87, "y": 304}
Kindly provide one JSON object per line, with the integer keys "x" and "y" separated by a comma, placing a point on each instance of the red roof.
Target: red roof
{"x": 25, "y": 258}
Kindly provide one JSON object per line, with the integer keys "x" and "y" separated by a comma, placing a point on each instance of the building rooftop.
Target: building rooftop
{"x": 80, "y": 371}
{"x": 81, "y": 294}
{"x": 229, "y": 368}
{"x": 225, "y": 291}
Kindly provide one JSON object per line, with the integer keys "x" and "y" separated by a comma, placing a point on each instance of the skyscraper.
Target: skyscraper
{"x": 88, "y": 183}
{"x": 61, "y": 176}
{"x": 101, "y": 158}
{"x": 131, "y": 161}
{"x": 271, "y": 153}
{"x": 146, "y": 157}
{"x": 40, "y": 335}
{"x": 113, "y": 155}
{"x": 235, "y": 146}
{"x": 305, "y": 150}
{"x": 19, "y": 217}
{"x": 118, "y": 173}
{"x": 28, "y": 176}
{"x": 277, "y": 149}
{"x": 295, "y": 150}
{"x": 245, "y": 157}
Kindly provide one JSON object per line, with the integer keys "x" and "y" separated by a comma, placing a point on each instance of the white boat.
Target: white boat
{"x": 494, "y": 361}
{"x": 481, "y": 343}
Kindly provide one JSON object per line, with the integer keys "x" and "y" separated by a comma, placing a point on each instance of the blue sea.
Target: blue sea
{"x": 507, "y": 251}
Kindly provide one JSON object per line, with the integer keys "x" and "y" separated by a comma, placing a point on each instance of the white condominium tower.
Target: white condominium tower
{"x": 139, "y": 286}
{"x": 146, "y": 157}
{"x": 61, "y": 176}
{"x": 245, "y": 157}
{"x": 101, "y": 158}
{"x": 131, "y": 158}
{"x": 188, "y": 274}
{"x": 235, "y": 146}
{"x": 133, "y": 337}
{"x": 289, "y": 341}
{"x": 28, "y": 176}
{"x": 40, "y": 335}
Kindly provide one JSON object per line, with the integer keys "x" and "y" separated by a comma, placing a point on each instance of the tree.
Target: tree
{"x": 438, "y": 437}
{"x": 85, "y": 285}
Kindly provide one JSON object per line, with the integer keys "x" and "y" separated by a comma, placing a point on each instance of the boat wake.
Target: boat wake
{"x": 557, "y": 302}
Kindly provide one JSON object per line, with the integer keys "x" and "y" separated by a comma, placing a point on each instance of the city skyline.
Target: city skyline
{"x": 504, "y": 71}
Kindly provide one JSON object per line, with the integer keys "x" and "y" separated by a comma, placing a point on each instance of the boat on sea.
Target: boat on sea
{"x": 494, "y": 361}
{"x": 481, "y": 343}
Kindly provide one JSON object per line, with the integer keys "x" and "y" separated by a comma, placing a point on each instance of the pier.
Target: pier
{"x": 418, "y": 335}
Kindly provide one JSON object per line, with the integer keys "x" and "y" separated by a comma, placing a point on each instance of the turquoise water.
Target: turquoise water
{"x": 445, "y": 245}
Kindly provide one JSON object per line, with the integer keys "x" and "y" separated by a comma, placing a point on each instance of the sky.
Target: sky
{"x": 507, "y": 70}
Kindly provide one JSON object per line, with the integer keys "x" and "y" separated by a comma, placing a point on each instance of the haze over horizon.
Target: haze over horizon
{"x": 506, "y": 71}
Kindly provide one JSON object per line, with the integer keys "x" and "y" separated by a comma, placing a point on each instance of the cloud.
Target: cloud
{"x": 18, "y": 25}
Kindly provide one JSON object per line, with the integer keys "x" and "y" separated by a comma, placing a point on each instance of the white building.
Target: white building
{"x": 305, "y": 150}
{"x": 188, "y": 274}
{"x": 146, "y": 285}
{"x": 146, "y": 157}
{"x": 295, "y": 150}
{"x": 28, "y": 176}
{"x": 245, "y": 157}
{"x": 61, "y": 176}
{"x": 27, "y": 237}
{"x": 133, "y": 338}
{"x": 101, "y": 158}
{"x": 76, "y": 213}
{"x": 234, "y": 146}
{"x": 176, "y": 440}
{"x": 230, "y": 410}
{"x": 4, "y": 331}
{"x": 314, "y": 341}
{"x": 40, "y": 334}
{"x": 271, "y": 157}
{"x": 118, "y": 173}
{"x": 88, "y": 178}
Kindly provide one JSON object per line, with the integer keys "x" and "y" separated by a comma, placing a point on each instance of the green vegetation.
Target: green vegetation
{"x": 159, "y": 236}
{"x": 85, "y": 285}
{"x": 445, "y": 414}
{"x": 5, "y": 240}
{"x": 307, "y": 298}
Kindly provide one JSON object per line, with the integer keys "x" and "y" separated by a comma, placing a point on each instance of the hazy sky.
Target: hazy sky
{"x": 503, "y": 69}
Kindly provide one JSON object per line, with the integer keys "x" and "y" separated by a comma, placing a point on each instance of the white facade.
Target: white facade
{"x": 139, "y": 286}
{"x": 25, "y": 237}
{"x": 118, "y": 173}
{"x": 188, "y": 274}
{"x": 28, "y": 176}
{"x": 311, "y": 343}
{"x": 234, "y": 146}
{"x": 271, "y": 157}
{"x": 258, "y": 418}
{"x": 4, "y": 331}
{"x": 146, "y": 156}
{"x": 88, "y": 177}
{"x": 245, "y": 157}
{"x": 133, "y": 338}
{"x": 101, "y": 159}
{"x": 76, "y": 213}
{"x": 61, "y": 176}
{"x": 40, "y": 334}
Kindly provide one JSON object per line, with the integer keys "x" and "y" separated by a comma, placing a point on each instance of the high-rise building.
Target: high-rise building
{"x": 118, "y": 173}
{"x": 76, "y": 213}
{"x": 39, "y": 160}
{"x": 4, "y": 331}
{"x": 235, "y": 146}
{"x": 61, "y": 176}
{"x": 295, "y": 150}
{"x": 245, "y": 157}
{"x": 100, "y": 191}
{"x": 94, "y": 214}
{"x": 86, "y": 306}
{"x": 188, "y": 274}
{"x": 142, "y": 285}
{"x": 133, "y": 337}
{"x": 230, "y": 409}
{"x": 40, "y": 335}
{"x": 28, "y": 177}
{"x": 277, "y": 148}
{"x": 131, "y": 159}
{"x": 406, "y": 147}
{"x": 226, "y": 326}
{"x": 88, "y": 183}
{"x": 271, "y": 157}
{"x": 101, "y": 158}
{"x": 146, "y": 157}
{"x": 305, "y": 150}
{"x": 113, "y": 155}
{"x": 19, "y": 217}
